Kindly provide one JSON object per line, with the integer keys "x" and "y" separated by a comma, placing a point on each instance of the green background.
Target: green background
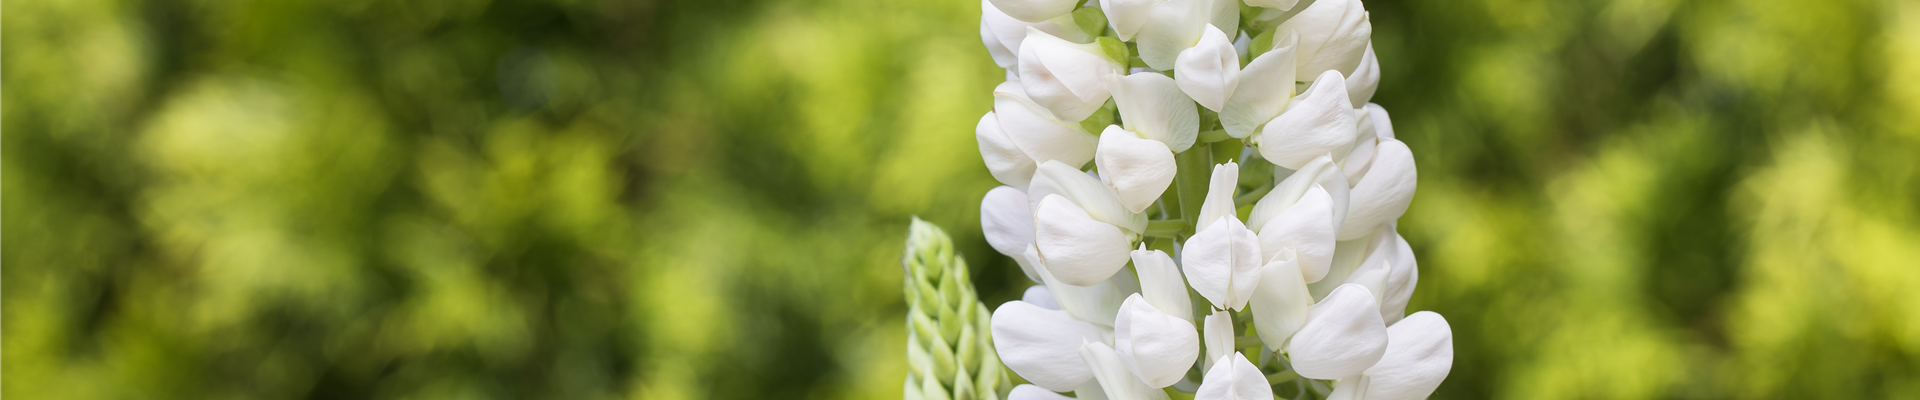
{"x": 1626, "y": 199}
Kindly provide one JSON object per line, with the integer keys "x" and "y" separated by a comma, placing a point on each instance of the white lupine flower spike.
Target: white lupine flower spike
{"x": 1111, "y": 112}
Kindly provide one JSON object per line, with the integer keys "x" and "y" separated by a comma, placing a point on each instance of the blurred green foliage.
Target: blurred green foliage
{"x": 707, "y": 198}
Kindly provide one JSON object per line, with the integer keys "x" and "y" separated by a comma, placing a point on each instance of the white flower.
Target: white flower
{"x": 1035, "y": 10}
{"x": 1333, "y": 36}
{"x": 1382, "y": 195}
{"x": 1320, "y": 172}
{"x": 1219, "y": 334}
{"x": 1280, "y": 305}
{"x": 1172, "y": 26}
{"x": 1282, "y": 5}
{"x": 1007, "y": 221}
{"x": 1161, "y": 284}
{"x": 1081, "y": 229}
{"x": 1308, "y": 228}
{"x": 1067, "y": 78}
{"x": 1098, "y": 304}
{"x": 1222, "y": 260}
{"x": 1127, "y": 16}
{"x": 1039, "y": 295}
{"x": 1031, "y": 392}
{"x": 1316, "y": 123}
{"x": 1209, "y": 71}
{"x": 1237, "y": 379}
{"x": 1115, "y": 381}
{"x": 1399, "y": 274}
{"x": 1156, "y": 347}
{"x": 1365, "y": 79}
{"x": 1343, "y": 335}
{"x": 1042, "y": 345}
{"x": 1002, "y": 34}
{"x": 1265, "y": 86}
{"x": 1138, "y": 170}
{"x": 1019, "y": 135}
{"x": 1152, "y": 106}
{"x": 1419, "y": 355}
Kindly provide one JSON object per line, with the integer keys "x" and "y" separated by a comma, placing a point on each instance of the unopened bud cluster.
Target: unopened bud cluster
{"x": 949, "y": 355}
{"x": 1207, "y": 199}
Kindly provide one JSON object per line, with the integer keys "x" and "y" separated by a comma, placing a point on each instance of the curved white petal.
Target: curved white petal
{"x": 1127, "y": 16}
{"x": 1222, "y": 263}
{"x": 1219, "y": 334}
{"x": 1039, "y": 295}
{"x": 1153, "y": 106}
{"x": 1293, "y": 186}
{"x": 1419, "y": 356}
{"x": 1115, "y": 381}
{"x": 1210, "y": 70}
{"x": 1219, "y": 200}
{"x": 1383, "y": 127}
{"x": 1282, "y": 5}
{"x": 1365, "y": 144}
{"x": 1076, "y": 248}
{"x": 1138, "y": 170}
{"x": 1031, "y": 392}
{"x": 1384, "y": 193}
{"x": 1174, "y": 26}
{"x": 1265, "y": 86}
{"x": 1315, "y": 123}
{"x": 1042, "y": 345}
{"x": 1373, "y": 276}
{"x": 1007, "y": 221}
{"x": 1086, "y": 191}
{"x": 1365, "y": 79}
{"x": 1002, "y": 34}
{"x": 1404, "y": 273}
{"x": 1280, "y": 304}
{"x": 1351, "y": 256}
{"x": 1156, "y": 347}
{"x": 1343, "y": 335}
{"x": 1098, "y": 304}
{"x": 1035, "y": 130}
{"x": 1069, "y": 79}
{"x": 1161, "y": 284}
{"x": 1307, "y": 228}
{"x": 1002, "y": 56}
{"x": 1237, "y": 379}
{"x": 1035, "y": 10}
{"x": 1333, "y": 36}
{"x": 1003, "y": 157}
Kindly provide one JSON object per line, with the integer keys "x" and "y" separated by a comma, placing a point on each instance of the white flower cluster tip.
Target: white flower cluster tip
{"x": 1286, "y": 269}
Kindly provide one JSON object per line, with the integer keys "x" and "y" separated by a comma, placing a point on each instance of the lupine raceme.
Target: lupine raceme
{"x": 949, "y": 355}
{"x": 1206, "y": 201}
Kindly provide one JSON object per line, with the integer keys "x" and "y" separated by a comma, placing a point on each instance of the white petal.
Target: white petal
{"x": 1002, "y": 56}
{"x": 1152, "y": 105}
{"x": 1321, "y": 171}
{"x": 1006, "y": 220}
{"x": 1365, "y": 79}
{"x": 1265, "y": 86}
{"x": 1373, "y": 276}
{"x": 1365, "y": 145}
{"x": 1237, "y": 379}
{"x": 1069, "y": 79}
{"x": 1316, "y": 123}
{"x": 1226, "y": 13}
{"x": 1127, "y": 16}
{"x": 1333, "y": 36}
{"x": 1280, "y": 305}
{"x": 1384, "y": 193}
{"x": 1343, "y": 336}
{"x": 1042, "y": 345}
{"x": 1138, "y": 170}
{"x": 1383, "y": 127}
{"x": 1219, "y": 201}
{"x": 1031, "y": 392}
{"x": 1161, "y": 283}
{"x": 1156, "y": 347}
{"x": 1399, "y": 284}
{"x": 1282, "y": 5}
{"x": 1219, "y": 335}
{"x": 1039, "y": 295}
{"x": 1004, "y": 158}
{"x": 1076, "y": 248}
{"x": 1115, "y": 380}
{"x": 1036, "y": 131}
{"x": 1098, "y": 304}
{"x": 1208, "y": 71}
{"x": 1174, "y": 26}
{"x": 1419, "y": 355}
{"x": 1307, "y": 227}
{"x": 1086, "y": 191}
{"x": 1223, "y": 263}
{"x": 1035, "y": 10}
{"x": 1350, "y": 256}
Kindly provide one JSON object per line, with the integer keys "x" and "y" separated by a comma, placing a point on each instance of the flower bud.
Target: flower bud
{"x": 1209, "y": 71}
{"x": 1069, "y": 79}
{"x": 1316, "y": 123}
{"x": 1219, "y": 336}
{"x": 1161, "y": 284}
{"x": 1333, "y": 36}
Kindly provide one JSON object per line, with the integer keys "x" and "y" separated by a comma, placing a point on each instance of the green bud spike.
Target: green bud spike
{"x": 949, "y": 353}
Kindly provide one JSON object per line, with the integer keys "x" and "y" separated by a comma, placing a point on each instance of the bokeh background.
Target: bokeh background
{"x": 490, "y": 199}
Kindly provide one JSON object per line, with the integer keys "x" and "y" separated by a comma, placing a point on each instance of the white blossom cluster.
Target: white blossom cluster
{"x": 1285, "y": 267}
